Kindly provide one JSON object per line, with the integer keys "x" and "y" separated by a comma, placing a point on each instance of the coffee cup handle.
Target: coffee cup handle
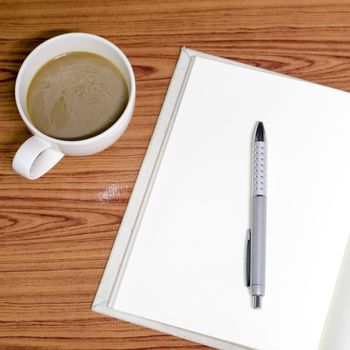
{"x": 35, "y": 157}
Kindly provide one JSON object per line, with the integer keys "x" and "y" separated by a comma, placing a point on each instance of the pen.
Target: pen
{"x": 256, "y": 244}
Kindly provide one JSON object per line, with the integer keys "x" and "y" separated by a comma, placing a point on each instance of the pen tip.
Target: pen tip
{"x": 257, "y": 301}
{"x": 260, "y": 132}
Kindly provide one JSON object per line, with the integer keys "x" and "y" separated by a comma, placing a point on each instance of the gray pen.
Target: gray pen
{"x": 256, "y": 244}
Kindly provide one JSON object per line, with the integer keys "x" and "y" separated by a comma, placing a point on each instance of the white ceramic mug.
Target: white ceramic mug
{"x": 40, "y": 152}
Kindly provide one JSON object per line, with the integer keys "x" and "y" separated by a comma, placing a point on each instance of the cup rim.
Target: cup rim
{"x": 124, "y": 116}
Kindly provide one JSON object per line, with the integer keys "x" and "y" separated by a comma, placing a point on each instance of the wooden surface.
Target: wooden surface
{"x": 56, "y": 233}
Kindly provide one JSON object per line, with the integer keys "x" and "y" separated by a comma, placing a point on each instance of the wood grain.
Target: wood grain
{"x": 57, "y": 232}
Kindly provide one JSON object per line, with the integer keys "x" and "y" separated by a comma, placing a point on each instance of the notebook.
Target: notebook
{"x": 177, "y": 264}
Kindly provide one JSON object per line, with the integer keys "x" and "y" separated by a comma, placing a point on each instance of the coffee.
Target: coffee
{"x": 76, "y": 96}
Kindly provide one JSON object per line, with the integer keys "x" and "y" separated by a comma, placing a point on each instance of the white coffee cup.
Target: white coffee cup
{"x": 41, "y": 152}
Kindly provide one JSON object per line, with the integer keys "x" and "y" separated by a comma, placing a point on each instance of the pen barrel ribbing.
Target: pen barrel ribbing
{"x": 259, "y": 169}
{"x": 258, "y": 246}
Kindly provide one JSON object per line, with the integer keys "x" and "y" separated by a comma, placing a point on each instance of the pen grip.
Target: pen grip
{"x": 258, "y": 246}
{"x": 259, "y": 169}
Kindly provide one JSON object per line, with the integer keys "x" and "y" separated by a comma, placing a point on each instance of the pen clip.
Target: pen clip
{"x": 248, "y": 257}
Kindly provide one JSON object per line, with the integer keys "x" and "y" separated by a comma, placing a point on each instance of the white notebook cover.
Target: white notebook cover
{"x": 177, "y": 264}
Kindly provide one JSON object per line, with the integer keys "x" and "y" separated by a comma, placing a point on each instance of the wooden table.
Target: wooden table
{"x": 57, "y": 232}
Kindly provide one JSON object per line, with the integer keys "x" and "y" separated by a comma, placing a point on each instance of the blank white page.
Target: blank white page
{"x": 186, "y": 268}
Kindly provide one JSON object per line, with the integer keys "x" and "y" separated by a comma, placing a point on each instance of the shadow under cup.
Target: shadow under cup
{"x": 72, "y": 42}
